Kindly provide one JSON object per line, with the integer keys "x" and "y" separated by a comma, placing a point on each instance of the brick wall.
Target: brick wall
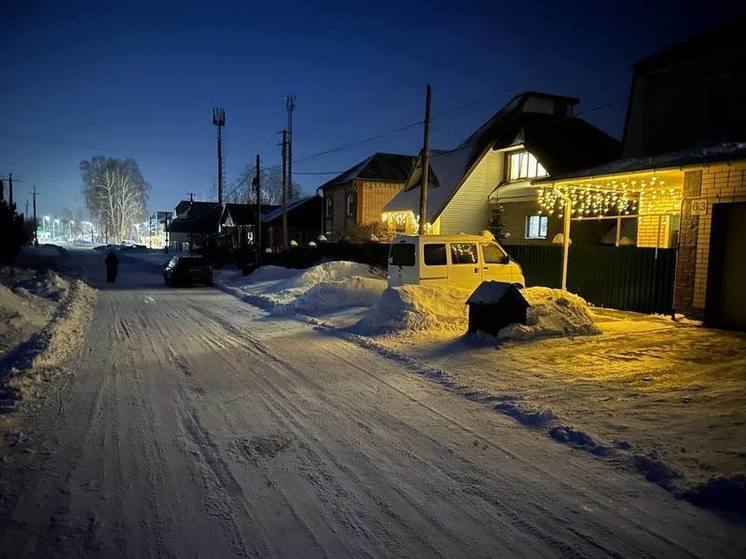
{"x": 683, "y": 299}
{"x": 659, "y": 228}
{"x": 721, "y": 184}
{"x": 372, "y": 197}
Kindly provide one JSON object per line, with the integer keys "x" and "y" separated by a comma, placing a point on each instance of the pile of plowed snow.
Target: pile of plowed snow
{"x": 322, "y": 288}
{"x": 356, "y": 291}
{"x": 441, "y": 310}
{"x": 28, "y": 300}
{"x": 553, "y": 312}
{"x": 416, "y": 308}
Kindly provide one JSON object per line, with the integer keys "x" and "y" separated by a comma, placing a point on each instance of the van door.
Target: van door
{"x": 464, "y": 269}
{"x": 496, "y": 264}
{"x": 402, "y": 264}
{"x": 434, "y": 264}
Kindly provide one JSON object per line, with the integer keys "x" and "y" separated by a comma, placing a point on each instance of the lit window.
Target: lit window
{"x": 536, "y": 227}
{"x": 463, "y": 253}
{"x": 523, "y": 165}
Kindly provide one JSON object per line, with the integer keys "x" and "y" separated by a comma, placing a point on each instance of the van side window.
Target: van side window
{"x": 402, "y": 254}
{"x": 435, "y": 255}
{"x": 464, "y": 253}
{"x": 493, "y": 254}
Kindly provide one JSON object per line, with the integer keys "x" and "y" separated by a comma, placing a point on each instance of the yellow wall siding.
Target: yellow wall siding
{"x": 468, "y": 210}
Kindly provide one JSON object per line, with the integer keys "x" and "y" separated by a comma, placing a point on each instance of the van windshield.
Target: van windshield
{"x": 402, "y": 255}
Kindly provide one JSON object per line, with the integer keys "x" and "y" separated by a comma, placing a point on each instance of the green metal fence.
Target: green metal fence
{"x": 627, "y": 278}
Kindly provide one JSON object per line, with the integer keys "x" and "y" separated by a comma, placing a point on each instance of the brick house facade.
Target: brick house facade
{"x": 355, "y": 199}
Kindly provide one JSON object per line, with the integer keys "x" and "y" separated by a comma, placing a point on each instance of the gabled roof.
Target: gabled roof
{"x": 196, "y": 217}
{"x": 391, "y": 167}
{"x": 244, "y": 214}
{"x": 293, "y": 206}
{"x": 561, "y": 143}
{"x": 729, "y": 151}
{"x": 729, "y": 36}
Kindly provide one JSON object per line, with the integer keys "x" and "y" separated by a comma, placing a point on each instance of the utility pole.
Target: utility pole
{"x": 258, "y": 233}
{"x": 285, "y": 166}
{"x": 10, "y": 192}
{"x": 290, "y": 105}
{"x": 36, "y": 239}
{"x": 218, "y": 119}
{"x": 425, "y": 163}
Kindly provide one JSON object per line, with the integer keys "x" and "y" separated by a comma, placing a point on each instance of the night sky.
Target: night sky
{"x": 139, "y": 80}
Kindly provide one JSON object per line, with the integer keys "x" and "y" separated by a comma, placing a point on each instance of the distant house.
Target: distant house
{"x": 238, "y": 224}
{"x": 533, "y": 135}
{"x": 304, "y": 223}
{"x": 193, "y": 224}
{"x": 682, "y": 181}
{"x": 356, "y": 197}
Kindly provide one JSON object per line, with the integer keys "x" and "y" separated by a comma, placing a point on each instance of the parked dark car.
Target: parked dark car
{"x": 187, "y": 270}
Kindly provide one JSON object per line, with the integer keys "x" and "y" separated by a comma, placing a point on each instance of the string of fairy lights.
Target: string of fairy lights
{"x": 616, "y": 197}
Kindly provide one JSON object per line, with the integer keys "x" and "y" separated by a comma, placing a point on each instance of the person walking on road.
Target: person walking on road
{"x": 112, "y": 263}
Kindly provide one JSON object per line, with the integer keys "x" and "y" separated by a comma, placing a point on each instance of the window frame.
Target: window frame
{"x": 414, "y": 255}
{"x": 350, "y": 204}
{"x": 500, "y": 250}
{"x": 538, "y": 237}
{"x": 530, "y": 161}
{"x": 425, "y": 255}
{"x": 476, "y": 253}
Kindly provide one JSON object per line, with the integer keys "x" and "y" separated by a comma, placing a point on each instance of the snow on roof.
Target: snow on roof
{"x": 727, "y": 151}
{"x": 379, "y": 166}
{"x": 447, "y": 169}
{"x": 277, "y": 211}
{"x": 490, "y": 292}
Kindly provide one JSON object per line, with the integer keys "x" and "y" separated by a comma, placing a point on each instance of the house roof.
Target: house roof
{"x": 244, "y": 214}
{"x": 276, "y": 212}
{"x": 724, "y": 37}
{"x": 728, "y": 151}
{"x": 196, "y": 217}
{"x": 561, "y": 143}
{"x": 446, "y": 171}
{"x": 392, "y": 167}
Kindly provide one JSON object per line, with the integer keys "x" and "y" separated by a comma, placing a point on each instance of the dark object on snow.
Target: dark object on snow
{"x": 494, "y": 305}
{"x": 112, "y": 264}
{"x": 186, "y": 270}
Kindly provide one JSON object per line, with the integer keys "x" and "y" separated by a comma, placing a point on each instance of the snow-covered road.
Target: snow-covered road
{"x": 199, "y": 426}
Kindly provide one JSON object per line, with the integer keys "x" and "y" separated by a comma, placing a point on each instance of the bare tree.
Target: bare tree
{"x": 271, "y": 187}
{"x": 115, "y": 193}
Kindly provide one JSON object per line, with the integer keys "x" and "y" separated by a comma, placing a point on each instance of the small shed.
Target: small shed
{"x": 494, "y": 305}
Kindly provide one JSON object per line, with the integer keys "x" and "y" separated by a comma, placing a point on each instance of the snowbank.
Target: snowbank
{"x": 42, "y": 318}
{"x": 357, "y": 291}
{"x": 27, "y": 302}
{"x": 322, "y": 288}
{"x": 553, "y": 312}
{"x": 416, "y": 308}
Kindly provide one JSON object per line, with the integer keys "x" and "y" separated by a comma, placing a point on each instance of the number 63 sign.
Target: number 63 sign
{"x": 699, "y": 206}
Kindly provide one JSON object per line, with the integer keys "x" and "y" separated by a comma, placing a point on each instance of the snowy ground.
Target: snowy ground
{"x": 42, "y": 314}
{"x": 664, "y": 399}
{"x": 198, "y": 425}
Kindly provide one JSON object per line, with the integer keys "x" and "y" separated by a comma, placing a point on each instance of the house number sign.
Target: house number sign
{"x": 699, "y": 206}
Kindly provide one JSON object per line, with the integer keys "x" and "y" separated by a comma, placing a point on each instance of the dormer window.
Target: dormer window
{"x": 523, "y": 165}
